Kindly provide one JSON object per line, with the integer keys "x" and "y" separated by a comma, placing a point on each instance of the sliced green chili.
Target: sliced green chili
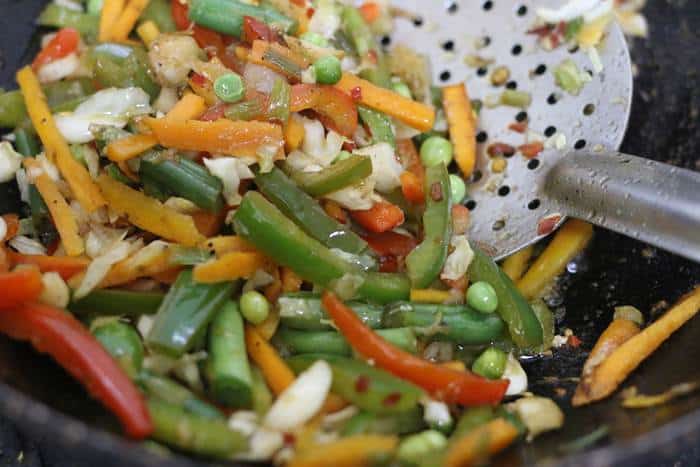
{"x": 344, "y": 173}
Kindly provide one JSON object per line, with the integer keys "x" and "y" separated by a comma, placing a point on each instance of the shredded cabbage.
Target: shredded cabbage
{"x": 326, "y": 19}
{"x": 172, "y": 57}
{"x": 359, "y": 197}
{"x": 59, "y": 69}
{"x": 100, "y": 266}
{"x": 459, "y": 260}
{"x": 386, "y": 169}
{"x": 10, "y": 162}
{"x": 230, "y": 170}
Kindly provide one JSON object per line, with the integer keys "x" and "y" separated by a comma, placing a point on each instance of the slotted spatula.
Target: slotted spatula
{"x": 587, "y": 178}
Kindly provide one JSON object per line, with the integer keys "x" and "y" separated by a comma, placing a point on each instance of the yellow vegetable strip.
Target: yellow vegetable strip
{"x": 125, "y": 23}
{"x": 189, "y": 107}
{"x": 61, "y": 213}
{"x": 567, "y": 243}
{"x": 55, "y": 146}
{"x": 148, "y": 32}
{"x": 111, "y": 10}
{"x": 293, "y": 134}
{"x": 151, "y": 260}
{"x": 623, "y": 360}
{"x": 275, "y": 371}
{"x": 123, "y": 149}
{"x": 268, "y": 328}
{"x": 460, "y": 118}
{"x": 410, "y": 112}
{"x": 481, "y": 443}
{"x": 430, "y": 295}
{"x": 148, "y": 213}
{"x": 515, "y": 265}
{"x": 353, "y": 451}
{"x": 226, "y": 244}
{"x": 231, "y": 266}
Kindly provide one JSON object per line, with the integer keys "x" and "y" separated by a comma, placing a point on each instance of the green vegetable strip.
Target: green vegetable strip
{"x": 286, "y": 66}
{"x": 227, "y": 369}
{"x": 262, "y": 397}
{"x": 473, "y": 417}
{"x": 279, "y": 100}
{"x": 379, "y": 125}
{"x": 403, "y": 423}
{"x": 304, "y": 311}
{"x": 121, "y": 66}
{"x": 546, "y": 319}
{"x": 198, "y": 435}
{"x": 307, "y": 213}
{"x": 189, "y": 256}
{"x": 362, "y": 385}
{"x": 12, "y": 109}
{"x": 160, "y": 13}
{"x": 333, "y": 343}
{"x": 167, "y": 390}
{"x": 57, "y": 16}
{"x": 116, "y": 173}
{"x": 185, "y": 313}
{"x": 364, "y": 42}
{"x": 467, "y": 327}
{"x": 226, "y": 16}
{"x": 342, "y": 174}
{"x": 524, "y": 328}
{"x": 261, "y": 223}
{"x": 110, "y": 302}
{"x": 123, "y": 343}
{"x": 176, "y": 178}
{"x": 425, "y": 262}
{"x": 247, "y": 110}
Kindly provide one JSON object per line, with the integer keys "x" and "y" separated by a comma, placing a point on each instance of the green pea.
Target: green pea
{"x": 436, "y": 150}
{"x": 327, "y": 70}
{"x": 413, "y": 449}
{"x": 314, "y": 38}
{"x": 458, "y": 189}
{"x": 254, "y": 307}
{"x": 400, "y": 87}
{"x": 229, "y": 87}
{"x": 482, "y": 297}
{"x": 94, "y": 7}
{"x": 491, "y": 363}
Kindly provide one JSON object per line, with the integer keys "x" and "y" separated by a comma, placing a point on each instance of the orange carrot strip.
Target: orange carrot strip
{"x": 121, "y": 150}
{"x": 293, "y": 135}
{"x": 126, "y": 21}
{"x": 12, "y": 226}
{"x": 275, "y": 371}
{"x": 481, "y": 442}
{"x": 352, "y": 451}
{"x": 381, "y": 217}
{"x": 231, "y": 266}
{"x": 65, "y": 266}
{"x": 111, "y": 10}
{"x": 189, "y": 107}
{"x": 460, "y": 118}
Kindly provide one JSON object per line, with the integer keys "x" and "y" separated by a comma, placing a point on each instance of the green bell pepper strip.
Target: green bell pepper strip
{"x": 246, "y": 110}
{"x": 110, "y": 302}
{"x": 226, "y": 16}
{"x": 546, "y": 319}
{"x": 12, "y": 109}
{"x": 425, "y": 262}
{"x": 261, "y": 223}
{"x": 262, "y": 396}
{"x": 121, "y": 66}
{"x": 341, "y": 174}
{"x": 26, "y": 143}
{"x": 379, "y": 125}
{"x": 333, "y": 343}
{"x": 177, "y": 177}
{"x": 403, "y": 423}
{"x": 123, "y": 343}
{"x": 58, "y": 16}
{"x": 185, "y": 313}
{"x": 280, "y": 96}
{"x": 523, "y": 325}
{"x": 160, "y": 13}
{"x": 172, "y": 392}
{"x": 367, "y": 387}
{"x": 304, "y": 311}
{"x": 174, "y": 426}
{"x": 462, "y": 325}
{"x": 307, "y": 213}
{"x": 227, "y": 369}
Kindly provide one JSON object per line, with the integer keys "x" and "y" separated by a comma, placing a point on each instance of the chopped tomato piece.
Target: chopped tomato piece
{"x": 63, "y": 43}
{"x": 382, "y": 217}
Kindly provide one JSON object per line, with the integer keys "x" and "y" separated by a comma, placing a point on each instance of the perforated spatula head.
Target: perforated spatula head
{"x": 509, "y": 208}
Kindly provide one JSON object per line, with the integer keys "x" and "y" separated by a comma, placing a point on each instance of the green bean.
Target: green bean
{"x": 160, "y": 13}
{"x": 305, "y": 311}
{"x": 546, "y": 319}
{"x": 109, "y": 302}
{"x": 123, "y": 343}
{"x": 262, "y": 397}
{"x": 198, "y": 435}
{"x": 399, "y": 423}
{"x": 341, "y": 174}
{"x": 58, "y": 16}
{"x": 121, "y": 66}
{"x": 227, "y": 368}
{"x": 413, "y": 449}
{"x": 379, "y": 125}
{"x": 367, "y": 387}
{"x": 165, "y": 389}
{"x": 226, "y": 16}
{"x": 185, "y": 313}
{"x": 116, "y": 173}
{"x": 280, "y": 96}
{"x": 246, "y": 110}
{"x": 333, "y": 343}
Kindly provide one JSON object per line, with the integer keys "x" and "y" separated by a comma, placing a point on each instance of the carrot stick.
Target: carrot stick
{"x": 481, "y": 442}
{"x": 293, "y": 134}
{"x": 623, "y": 360}
{"x": 121, "y": 150}
{"x": 410, "y": 112}
{"x": 150, "y": 261}
{"x": 412, "y": 188}
{"x": 231, "y": 266}
{"x": 189, "y": 107}
{"x": 460, "y": 118}
{"x": 111, "y": 10}
{"x": 55, "y": 146}
{"x": 226, "y": 244}
{"x": 208, "y": 223}
{"x": 126, "y": 21}
{"x": 11, "y": 226}
{"x": 275, "y": 371}
{"x": 148, "y": 213}
{"x": 291, "y": 282}
{"x": 222, "y": 136}
{"x": 515, "y": 265}
{"x": 61, "y": 213}
{"x": 19, "y": 286}
{"x": 65, "y": 266}
{"x": 381, "y": 217}
{"x": 353, "y": 451}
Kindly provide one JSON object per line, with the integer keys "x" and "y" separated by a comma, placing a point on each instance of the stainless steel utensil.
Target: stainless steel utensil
{"x": 579, "y": 173}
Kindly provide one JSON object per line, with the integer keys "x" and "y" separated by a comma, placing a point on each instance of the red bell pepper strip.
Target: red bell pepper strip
{"x": 391, "y": 243}
{"x": 65, "y": 266}
{"x": 180, "y": 12}
{"x": 63, "y": 43}
{"x": 336, "y": 109}
{"x": 382, "y": 217}
{"x": 451, "y": 386}
{"x": 19, "y": 286}
{"x": 254, "y": 30}
{"x": 60, "y": 335}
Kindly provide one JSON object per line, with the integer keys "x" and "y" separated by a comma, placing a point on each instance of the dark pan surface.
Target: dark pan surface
{"x": 68, "y": 426}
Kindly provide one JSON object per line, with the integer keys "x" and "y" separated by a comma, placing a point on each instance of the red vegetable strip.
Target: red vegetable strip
{"x": 63, "y": 43}
{"x": 60, "y": 335}
{"x": 382, "y": 217}
{"x": 443, "y": 383}
{"x": 391, "y": 243}
{"x": 335, "y": 108}
{"x": 179, "y": 12}
{"x": 19, "y": 286}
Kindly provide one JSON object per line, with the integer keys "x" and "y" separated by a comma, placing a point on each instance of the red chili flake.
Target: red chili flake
{"x": 555, "y": 40}
{"x": 289, "y": 439}
{"x": 518, "y": 127}
{"x": 349, "y": 146}
{"x": 356, "y": 93}
{"x": 199, "y": 80}
{"x": 392, "y": 399}
{"x": 436, "y": 191}
{"x": 372, "y": 56}
{"x": 542, "y": 30}
{"x": 573, "y": 341}
{"x": 362, "y": 384}
{"x": 500, "y": 149}
{"x": 531, "y": 150}
{"x": 547, "y": 224}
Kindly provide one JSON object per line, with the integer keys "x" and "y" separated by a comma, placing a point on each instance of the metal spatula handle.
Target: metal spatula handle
{"x": 644, "y": 199}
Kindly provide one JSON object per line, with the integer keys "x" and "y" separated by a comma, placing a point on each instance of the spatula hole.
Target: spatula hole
{"x": 448, "y": 45}
{"x": 534, "y": 204}
{"x": 386, "y": 41}
{"x": 541, "y": 69}
{"x": 481, "y": 71}
{"x": 418, "y": 21}
{"x": 580, "y": 144}
{"x": 517, "y": 49}
{"x": 522, "y": 10}
{"x": 452, "y": 7}
{"x": 533, "y": 164}
{"x": 512, "y": 85}
{"x": 487, "y": 5}
{"x": 549, "y": 131}
{"x": 552, "y": 99}
{"x": 498, "y": 225}
{"x": 521, "y": 116}
{"x": 588, "y": 109}
{"x": 445, "y": 76}
{"x": 481, "y": 137}
{"x": 504, "y": 190}
{"x": 471, "y": 204}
